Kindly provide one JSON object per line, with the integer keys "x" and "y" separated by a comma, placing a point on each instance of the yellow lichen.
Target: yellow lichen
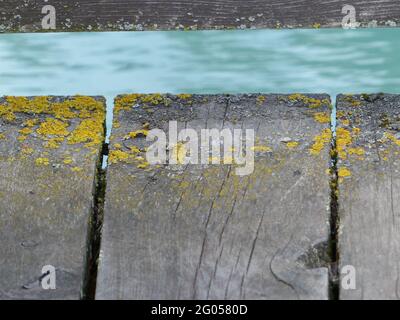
{"x": 67, "y": 160}
{"x": 53, "y": 143}
{"x": 184, "y": 96}
{"x": 143, "y": 165}
{"x": 345, "y": 122}
{"x": 261, "y": 149}
{"x": 125, "y": 102}
{"x": 31, "y": 123}
{"x": 344, "y": 172}
{"x": 118, "y": 156}
{"x": 322, "y": 117}
{"x": 53, "y": 127}
{"x": 134, "y": 149}
{"x": 25, "y": 131}
{"x": 308, "y": 101}
{"x": 340, "y": 114}
{"x": 352, "y": 100}
{"x": 320, "y": 141}
{"x": 27, "y": 150}
{"x": 292, "y": 144}
{"x": 154, "y": 99}
{"x": 343, "y": 139}
{"x": 137, "y": 133}
{"x": 14, "y": 105}
{"x": 356, "y": 151}
{"x": 42, "y": 161}
{"x": 260, "y": 100}
{"x": 89, "y": 131}
{"x": 392, "y": 138}
{"x": 6, "y": 114}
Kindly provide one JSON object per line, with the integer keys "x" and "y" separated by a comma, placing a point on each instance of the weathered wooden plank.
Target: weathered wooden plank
{"x": 116, "y": 15}
{"x": 49, "y": 152}
{"x": 203, "y": 232}
{"x": 368, "y": 141}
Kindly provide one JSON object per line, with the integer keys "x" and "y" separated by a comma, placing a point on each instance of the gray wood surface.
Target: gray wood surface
{"x": 117, "y": 15}
{"x": 369, "y": 188}
{"x": 203, "y": 232}
{"x": 46, "y": 192}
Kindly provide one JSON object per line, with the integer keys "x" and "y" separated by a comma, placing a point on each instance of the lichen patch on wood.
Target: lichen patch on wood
{"x": 368, "y": 150}
{"x": 199, "y": 231}
{"x": 49, "y": 125}
{"x": 49, "y": 154}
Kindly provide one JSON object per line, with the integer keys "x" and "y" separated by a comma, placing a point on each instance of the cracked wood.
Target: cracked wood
{"x": 368, "y": 138}
{"x": 46, "y": 198}
{"x": 203, "y": 232}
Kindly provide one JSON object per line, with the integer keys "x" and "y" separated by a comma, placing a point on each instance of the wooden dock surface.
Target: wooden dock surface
{"x": 138, "y": 15}
{"x": 202, "y": 231}
{"x": 49, "y": 154}
{"x": 368, "y": 144}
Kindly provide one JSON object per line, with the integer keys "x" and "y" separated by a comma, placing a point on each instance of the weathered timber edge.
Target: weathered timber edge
{"x": 138, "y": 15}
{"x": 202, "y": 232}
{"x": 368, "y": 143}
{"x": 50, "y": 149}
{"x": 368, "y": 148}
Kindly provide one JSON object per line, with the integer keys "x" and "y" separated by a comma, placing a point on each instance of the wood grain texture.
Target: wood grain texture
{"x": 203, "y": 232}
{"x": 118, "y": 15}
{"x": 46, "y": 193}
{"x": 369, "y": 188}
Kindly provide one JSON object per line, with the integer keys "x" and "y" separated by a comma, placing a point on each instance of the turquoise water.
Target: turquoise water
{"x": 279, "y": 61}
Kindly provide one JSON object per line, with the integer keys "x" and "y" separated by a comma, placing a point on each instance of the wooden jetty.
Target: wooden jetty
{"x": 316, "y": 217}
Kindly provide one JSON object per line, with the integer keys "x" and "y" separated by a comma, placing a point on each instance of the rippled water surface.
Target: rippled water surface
{"x": 279, "y": 61}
